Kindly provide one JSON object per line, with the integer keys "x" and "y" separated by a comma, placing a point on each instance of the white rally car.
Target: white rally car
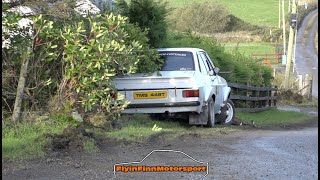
{"x": 188, "y": 84}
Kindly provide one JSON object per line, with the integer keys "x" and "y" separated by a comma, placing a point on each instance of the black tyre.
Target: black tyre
{"x": 211, "y": 114}
{"x": 227, "y": 113}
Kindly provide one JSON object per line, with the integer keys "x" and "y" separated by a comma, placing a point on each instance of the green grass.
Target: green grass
{"x": 26, "y": 140}
{"x": 274, "y": 117}
{"x": 251, "y": 48}
{"x": 90, "y": 146}
{"x": 139, "y": 128}
{"x": 262, "y": 13}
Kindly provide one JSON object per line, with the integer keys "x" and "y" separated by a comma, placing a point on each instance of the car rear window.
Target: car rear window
{"x": 177, "y": 61}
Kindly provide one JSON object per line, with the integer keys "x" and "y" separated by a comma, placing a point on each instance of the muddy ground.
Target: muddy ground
{"x": 247, "y": 153}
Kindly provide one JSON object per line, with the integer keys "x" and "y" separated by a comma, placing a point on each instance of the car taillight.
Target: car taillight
{"x": 190, "y": 93}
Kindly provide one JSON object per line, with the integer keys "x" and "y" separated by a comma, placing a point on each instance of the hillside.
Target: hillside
{"x": 256, "y": 12}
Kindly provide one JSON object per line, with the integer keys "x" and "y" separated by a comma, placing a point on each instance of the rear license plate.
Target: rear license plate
{"x": 150, "y": 95}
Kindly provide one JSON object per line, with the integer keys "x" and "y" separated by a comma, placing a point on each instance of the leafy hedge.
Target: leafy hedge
{"x": 242, "y": 69}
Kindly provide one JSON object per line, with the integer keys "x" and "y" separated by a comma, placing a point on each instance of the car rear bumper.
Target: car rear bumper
{"x": 172, "y": 107}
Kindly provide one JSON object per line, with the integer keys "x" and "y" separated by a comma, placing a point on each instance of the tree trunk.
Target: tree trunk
{"x": 21, "y": 84}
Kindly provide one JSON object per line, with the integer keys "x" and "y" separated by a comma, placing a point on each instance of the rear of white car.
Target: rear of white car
{"x": 174, "y": 89}
{"x": 188, "y": 84}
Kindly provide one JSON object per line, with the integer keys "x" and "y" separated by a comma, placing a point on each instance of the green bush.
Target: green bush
{"x": 242, "y": 69}
{"x": 150, "y": 15}
{"x": 98, "y": 48}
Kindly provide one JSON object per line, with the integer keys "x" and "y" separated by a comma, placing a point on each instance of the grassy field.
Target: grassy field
{"x": 263, "y": 12}
{"x": 251, "y": 48}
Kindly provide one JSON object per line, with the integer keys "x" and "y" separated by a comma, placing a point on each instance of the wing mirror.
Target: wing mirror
{"x": 216, "y": 70}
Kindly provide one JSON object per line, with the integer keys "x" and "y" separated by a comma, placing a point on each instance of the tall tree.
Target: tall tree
{"x": 148, "y": 14}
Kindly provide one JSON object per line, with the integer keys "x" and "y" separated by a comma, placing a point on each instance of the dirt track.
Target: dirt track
{"x": 243, "y": 154}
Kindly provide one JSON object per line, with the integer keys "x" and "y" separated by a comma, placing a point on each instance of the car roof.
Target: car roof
{"x": 181, "y": 49}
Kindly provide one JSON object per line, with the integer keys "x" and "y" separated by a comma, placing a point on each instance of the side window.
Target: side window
{"x": 207, "y": 61}
{"x": 203, "y": 64}
{"x": 210, "y": 61}
{"x": 201, "y": 68}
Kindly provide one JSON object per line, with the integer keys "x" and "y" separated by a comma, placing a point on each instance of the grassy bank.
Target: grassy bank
{"x": 274, "y": 117}
{"x": 26, "y": 140}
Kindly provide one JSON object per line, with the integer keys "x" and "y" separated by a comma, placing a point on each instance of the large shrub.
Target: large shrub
{"x": 96, "y": 50}
{"x": 201, "y": 17}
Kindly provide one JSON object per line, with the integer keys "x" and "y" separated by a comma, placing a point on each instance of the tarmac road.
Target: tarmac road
{"x": 306, "y": 56}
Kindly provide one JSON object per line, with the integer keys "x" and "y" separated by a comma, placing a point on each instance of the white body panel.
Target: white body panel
{"x": 174, "y": 82}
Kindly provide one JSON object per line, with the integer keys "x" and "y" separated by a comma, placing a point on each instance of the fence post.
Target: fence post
{"x": 254, "y": 94}
{"x": 310, "y": 92}
{"x": 275, "y": 94}
{"x": 247, "y": 94}
{"x": 300, "y": 83}
{"x": 305, "y": 83}
{"x": 260, "y": 95}
{"x": 270, "y": 95}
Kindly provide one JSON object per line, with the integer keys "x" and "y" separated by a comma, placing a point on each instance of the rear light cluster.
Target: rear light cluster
{"x": 190, "y": 93}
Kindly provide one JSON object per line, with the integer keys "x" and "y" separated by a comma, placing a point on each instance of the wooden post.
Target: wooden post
{"x": 247, "y": 94}
{"x": 265, "y": 102}
{"x": 269, "y": 95}
{"x": 300, "y": 83}
{"x": 310, "y": 91}
{"x": 275, "y": 94}
{"x": 284, "y": 30}
{"x": 305, "y": 83}
{"x": 260, "y": 95}
{"x": 253, "y": 103}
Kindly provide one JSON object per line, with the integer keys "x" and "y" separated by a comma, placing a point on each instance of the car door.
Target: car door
{"x": 204, "y": 78}
{"x": 215, "y": 81}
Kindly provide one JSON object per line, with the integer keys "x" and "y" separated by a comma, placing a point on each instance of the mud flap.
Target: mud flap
{"x": 199, "y": 119}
